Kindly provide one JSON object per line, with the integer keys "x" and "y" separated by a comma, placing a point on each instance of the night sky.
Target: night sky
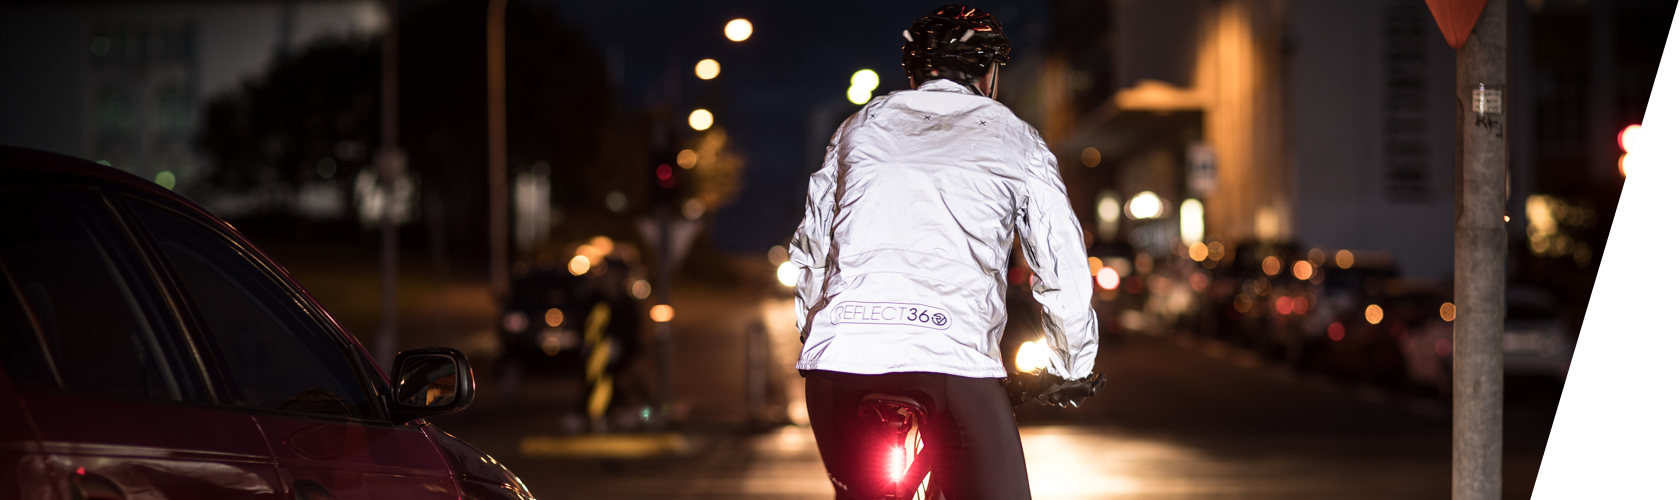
{"x": 800, "y": 58}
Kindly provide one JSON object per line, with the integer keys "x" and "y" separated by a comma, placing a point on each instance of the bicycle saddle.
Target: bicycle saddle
{"x": 893, "y": 410}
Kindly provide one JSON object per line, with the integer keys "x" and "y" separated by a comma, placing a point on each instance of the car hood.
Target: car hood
{"x": 480, "y": 474}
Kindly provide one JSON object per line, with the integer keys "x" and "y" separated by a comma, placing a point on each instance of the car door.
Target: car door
{"x": 309, "y": 389}
{"x": 115, "y": 392}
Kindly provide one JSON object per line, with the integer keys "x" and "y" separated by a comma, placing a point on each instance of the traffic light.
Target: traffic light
{"x": 667, "y": 179}
{"x": 1628, "y": 139}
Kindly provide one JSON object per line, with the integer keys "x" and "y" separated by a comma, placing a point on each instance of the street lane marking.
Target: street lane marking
{"x": 605, "y": 445}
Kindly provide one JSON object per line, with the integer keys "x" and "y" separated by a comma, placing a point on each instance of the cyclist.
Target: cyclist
{"x": 903, "y": 253}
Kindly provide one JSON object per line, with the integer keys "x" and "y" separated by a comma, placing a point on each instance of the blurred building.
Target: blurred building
{"x": 1327, "y": 122}
{"x": 125, "y": 82}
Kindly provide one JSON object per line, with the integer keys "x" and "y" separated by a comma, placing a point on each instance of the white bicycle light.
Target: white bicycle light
{"x": 1033, "y": 356}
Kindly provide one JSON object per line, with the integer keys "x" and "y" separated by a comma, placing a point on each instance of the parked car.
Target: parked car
{"x": 1378, "y": 344}
{"x": 1535, "y": 341}
{"x": 564, "y": 315}
{"x": 151, "y": 351}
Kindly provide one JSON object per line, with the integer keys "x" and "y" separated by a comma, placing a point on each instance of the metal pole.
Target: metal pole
{"x": 1479, "y": 261}
{"x": 497, "y": 56}
{"x": 390, "y": 166}
{"x": 757, "y": 366}
{"x": 662, "y": 330}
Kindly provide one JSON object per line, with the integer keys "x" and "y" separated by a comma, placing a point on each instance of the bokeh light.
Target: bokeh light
{"x": 515, "y": 321}
{"x": 1033, "y": 356}
{"x": 1108, "y": 209}
{"x": 1108, "y": 278}
{"x": 661, "y": 313}
{"x": 857, "y": 95}
{"x": 864, "y": 82}
{"x": 1344, "y": 259}
{"x": 554, "y": 317}
{"x": 738, "y": 30}
{"x": 1449, "y": 311}
{"x": 1144, "y": 205}
{"x": 1272, "y": 266}
{"x": 578, "y": 265}
{"x": 1095, "y": 264}
{"x": 707, "y": 69}
{"x": 1197, "y": 251}
{"x": 1303, "y": 270}
{"x": 1337, "y": 332}
{"x": 866, "y": 79}
{"x": 787, "y": 273}
{"x": 1090, "y": 157}
{"x": 687, "y": 158}
{"x": 166, "y": 179}
{"x": 693, "y": 209}
{"x": 700, "y": 119}
{"x": 1373, "y": 314}
{"x": 1628, "y": 139}
{"x": 1190, "y": 224}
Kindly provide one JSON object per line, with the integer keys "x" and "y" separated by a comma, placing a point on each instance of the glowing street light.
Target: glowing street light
{"x": 1108, "y": 209}
{"x": 864, "y": 82}
{"x": 661, "y": 313}
{"x": 1190, "y": 224}
{"x": 1145, "y": 205}
{"x": 707, "y": 69}
{"x": 866, "y": 79}
{"x": 700, "y": 119}
{"x": 737, "y": 30}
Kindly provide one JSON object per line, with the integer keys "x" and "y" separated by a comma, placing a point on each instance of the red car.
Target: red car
{"x": 151, "y": 351}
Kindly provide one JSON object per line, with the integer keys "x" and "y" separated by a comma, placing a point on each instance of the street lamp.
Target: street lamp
{"x": 1190, "y": 224}
{"x": 737, "y": 30}
{"x": 1145, "y": 205}
{"x": 700, "y": 119}
{"x": 864, "y": 82}
{"x": 707, "y": 69}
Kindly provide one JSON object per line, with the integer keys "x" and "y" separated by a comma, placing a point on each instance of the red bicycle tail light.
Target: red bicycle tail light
{"x": 895, "y": 464}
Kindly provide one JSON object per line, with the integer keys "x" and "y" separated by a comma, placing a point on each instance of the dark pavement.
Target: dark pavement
{"x": 1182, "y": 418}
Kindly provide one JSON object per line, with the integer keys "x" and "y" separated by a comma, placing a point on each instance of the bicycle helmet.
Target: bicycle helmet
{"x": 957, "y": 43}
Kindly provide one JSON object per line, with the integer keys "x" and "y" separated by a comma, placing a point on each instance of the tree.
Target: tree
{"x": 322, "y": 103}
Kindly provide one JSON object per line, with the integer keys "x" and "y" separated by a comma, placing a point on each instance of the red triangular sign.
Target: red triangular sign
{"x": 1456, "y": 18}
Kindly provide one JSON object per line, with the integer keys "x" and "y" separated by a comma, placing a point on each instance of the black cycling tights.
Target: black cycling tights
{"x": 970, "y": 436}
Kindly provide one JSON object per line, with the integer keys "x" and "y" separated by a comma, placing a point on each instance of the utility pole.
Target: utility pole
{"x": 497, "y": 52}
{"x": 1479, "y": 259}
{"x": 390, "y": 163}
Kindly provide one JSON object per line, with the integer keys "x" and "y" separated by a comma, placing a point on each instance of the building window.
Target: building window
{"x": 1406, "y": 30}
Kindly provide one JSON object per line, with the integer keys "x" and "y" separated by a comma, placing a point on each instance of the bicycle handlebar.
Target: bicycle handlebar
{"x": 1050, "y": 390}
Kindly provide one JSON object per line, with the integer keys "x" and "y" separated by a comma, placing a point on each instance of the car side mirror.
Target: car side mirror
{"x": 429, "y": 381}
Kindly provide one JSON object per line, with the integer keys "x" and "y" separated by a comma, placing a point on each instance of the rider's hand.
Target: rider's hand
{"x": 1050, "y": 390}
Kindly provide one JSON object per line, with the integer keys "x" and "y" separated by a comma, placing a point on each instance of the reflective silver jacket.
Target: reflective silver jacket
{"x": 908, "y": 227}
